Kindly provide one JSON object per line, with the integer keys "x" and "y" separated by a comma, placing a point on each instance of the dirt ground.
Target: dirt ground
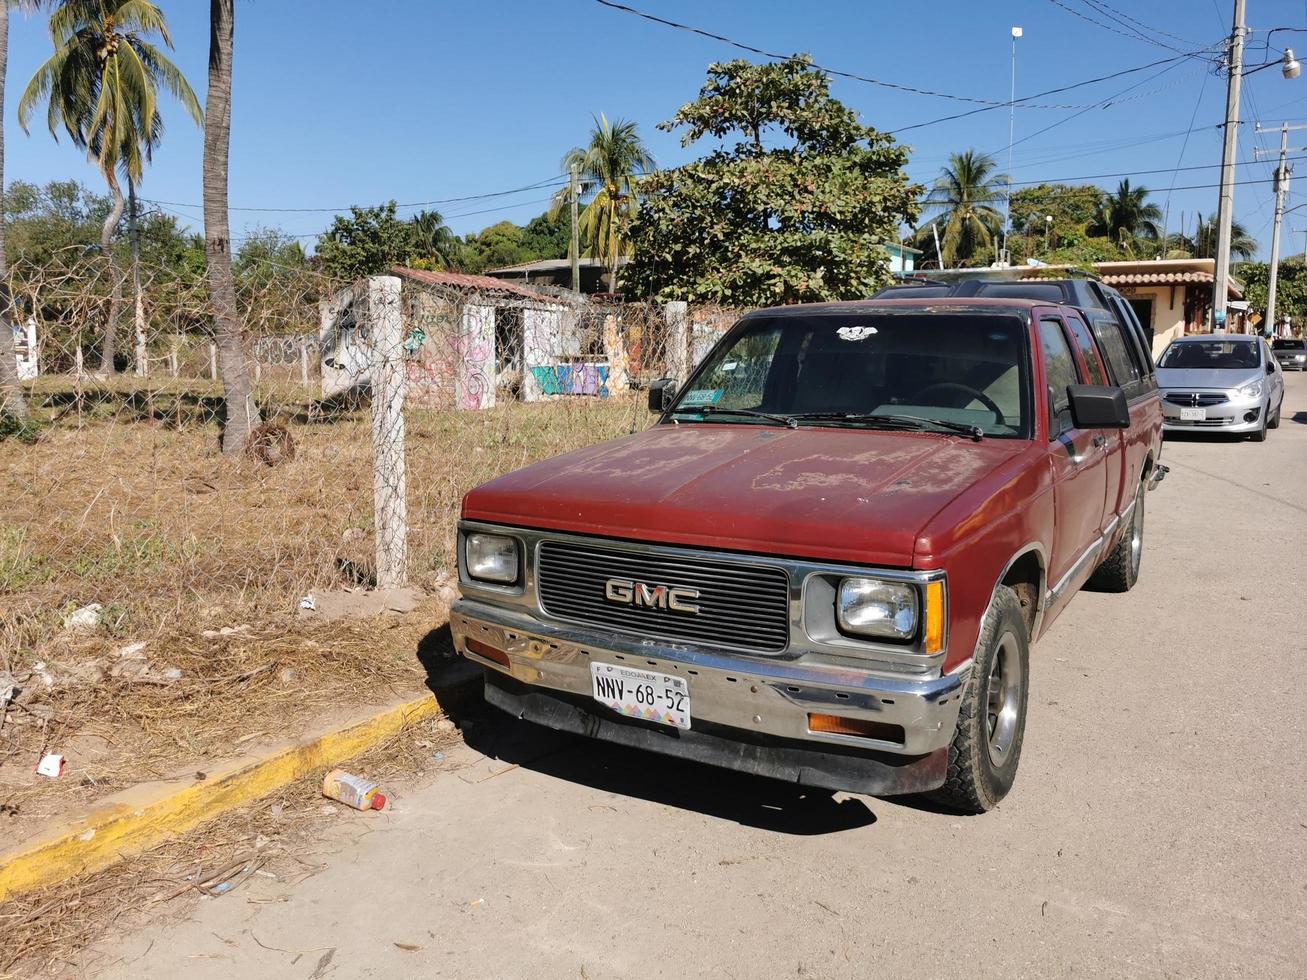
{"x": 1157, "y": 827}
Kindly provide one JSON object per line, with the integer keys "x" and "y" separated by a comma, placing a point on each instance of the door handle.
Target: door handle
{"x": 1100, "y": 441}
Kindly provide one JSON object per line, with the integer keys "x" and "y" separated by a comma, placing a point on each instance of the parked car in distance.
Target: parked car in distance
{"x": 827, "y": 562}
{"x": 1220, "y": 383}
{"x": 1291, "y": 353}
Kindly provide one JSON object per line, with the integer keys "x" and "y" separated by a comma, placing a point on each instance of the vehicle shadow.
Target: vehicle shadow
{"x": 753, "y": 801}
{"x": 1226, "y": 437}
{"x": 1299, "y": 417}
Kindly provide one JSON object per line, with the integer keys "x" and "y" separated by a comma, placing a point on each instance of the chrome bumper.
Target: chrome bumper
{"x": 751, "y": 694}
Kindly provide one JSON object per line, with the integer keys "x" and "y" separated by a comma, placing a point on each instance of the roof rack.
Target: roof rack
{"x": 942, "y": 277}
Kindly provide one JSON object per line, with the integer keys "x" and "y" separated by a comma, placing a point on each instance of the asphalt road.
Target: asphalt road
{"x": 1158, "y": 826}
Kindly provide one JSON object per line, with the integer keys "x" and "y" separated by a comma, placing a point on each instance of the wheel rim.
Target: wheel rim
{"x": 1003, "y": 699}
{"x": 1137, "y": 535}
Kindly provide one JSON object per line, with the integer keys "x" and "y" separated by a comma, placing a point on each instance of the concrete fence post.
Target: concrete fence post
{"x": 172, "y": 360}
{"x": 77, "y": 357}
{"x": 213, "y": 362}
{"x": 304, "y": 361}
{"x": 677, "y": 315}
{"x": 389, "y": 490}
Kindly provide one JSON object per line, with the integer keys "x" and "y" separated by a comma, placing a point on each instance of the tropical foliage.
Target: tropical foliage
{"x": 1127, "y": 216}
{"x": 1290, "y": 287}
{"x": 964, "y": 206}
{"x": 101, "y": 87}
{"x": 1203, "y": 243}
{"x": 797, "y": 208}
{"x": 609, "y": 166}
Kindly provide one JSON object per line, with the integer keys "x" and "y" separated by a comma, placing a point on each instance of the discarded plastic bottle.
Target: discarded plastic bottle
{"x": 352, "y": 790}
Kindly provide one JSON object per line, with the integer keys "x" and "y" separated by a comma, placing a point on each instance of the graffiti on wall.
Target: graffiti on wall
{"x": 572, "y": 379}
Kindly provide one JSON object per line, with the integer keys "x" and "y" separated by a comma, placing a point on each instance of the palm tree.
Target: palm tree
{"x": 242, "y": 414}
{"x": 1127, "y": 216}
{"x": 964, "y": 202}
{"x": 432, "y": 238}
{"x": 610, "y": 167}
{"x": 1203, "y": 245}
{"x": 11, "y": 393}
{"x": 101, "y": 85}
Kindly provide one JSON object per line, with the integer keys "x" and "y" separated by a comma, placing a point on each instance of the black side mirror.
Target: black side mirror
{"x": 661, "y": 394}
{"x": 1098, "y": 407}
{"x": 1270, "y": 366}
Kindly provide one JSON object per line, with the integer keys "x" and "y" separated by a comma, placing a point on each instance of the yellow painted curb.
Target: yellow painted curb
{"x": 142, "y": 816}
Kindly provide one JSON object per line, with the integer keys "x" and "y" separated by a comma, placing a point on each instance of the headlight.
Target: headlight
{"x": 1253, "y": 390}
{"x": 872, "y": 607}
{"x": 1300, "y": 357}
{"x": 491, "y": 558}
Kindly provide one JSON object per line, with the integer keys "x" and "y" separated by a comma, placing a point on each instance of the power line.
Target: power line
{"x": 1139, "y": 23}
{"x": 1135, "y": 36}
{"x": 550, "y": 182}
{"x": 1146, "y": 173}
{"x": 751, "y": 49}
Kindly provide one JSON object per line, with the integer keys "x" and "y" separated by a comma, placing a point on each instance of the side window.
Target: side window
{"x": 1060, "y": 367}
{"x": 1140, "y": 347}
{"x": 1116, "y": 351}
{"x": 1080, "y": 330}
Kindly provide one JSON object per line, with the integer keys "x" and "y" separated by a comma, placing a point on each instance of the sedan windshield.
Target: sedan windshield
{"x": 1212, "y": 354}
{"x": 964, "y": 373}
{"x": 1287, "y": 344}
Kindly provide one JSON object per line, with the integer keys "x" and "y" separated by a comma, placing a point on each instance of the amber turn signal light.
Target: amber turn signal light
{"x": 487, "y": 651}
{"x": 857, "y": 727}
{"x": 934, "y": 616}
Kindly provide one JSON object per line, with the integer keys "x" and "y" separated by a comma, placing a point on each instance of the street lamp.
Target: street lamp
{"x": 1011, "y": 138}
{"x": 1048, "y": 230}
{"x": 1292, "y": 69}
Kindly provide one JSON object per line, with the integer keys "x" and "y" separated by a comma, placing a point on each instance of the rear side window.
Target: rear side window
{"x": 1060, "y": 367}
{"x": 1047, "y": 291}
{"x": 1080, "y": 330}
{"x": 1116, "y": 351}
{"x": 1134, "y": 330}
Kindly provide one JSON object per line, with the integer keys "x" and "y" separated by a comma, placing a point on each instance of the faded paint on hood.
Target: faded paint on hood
{"x": 853, "y": 495}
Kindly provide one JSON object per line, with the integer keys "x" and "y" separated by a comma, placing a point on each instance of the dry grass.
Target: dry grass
{"x": 140, "y": 513}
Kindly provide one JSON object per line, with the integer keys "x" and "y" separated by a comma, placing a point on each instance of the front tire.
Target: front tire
{"x": 1119, "y": 571}
{"x": 1275, "y": 419}
{"x": 986, "y": 747}
{"x": 1260, "y": 434}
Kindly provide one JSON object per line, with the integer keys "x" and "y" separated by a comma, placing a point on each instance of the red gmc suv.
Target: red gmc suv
{"x": 828, "y": 560}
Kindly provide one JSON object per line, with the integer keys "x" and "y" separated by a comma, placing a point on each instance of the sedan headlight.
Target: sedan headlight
{"x": 1253, "y": 390}
{"x": 1300, "y": 357}
{"x": 873, "y": 607}
{"x": 492, "y": 558}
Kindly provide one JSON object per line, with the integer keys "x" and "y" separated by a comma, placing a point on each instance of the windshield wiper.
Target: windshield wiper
{"x": 916, "y": 422}
{"x": 786, "y": 420}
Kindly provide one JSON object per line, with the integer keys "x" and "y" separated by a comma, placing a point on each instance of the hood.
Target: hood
{"x": 1225, "y": 378}
{"x": 852, "y": 495}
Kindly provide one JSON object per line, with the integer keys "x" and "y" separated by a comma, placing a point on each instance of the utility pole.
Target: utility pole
{"x": 939, "y": 252}
{"x": 576, "y": 229}
{"x": 1281, "y": 192}
{"x": 1225, "y": 209}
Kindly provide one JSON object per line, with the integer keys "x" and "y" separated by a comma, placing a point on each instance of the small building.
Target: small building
{"x": 1173, "y": 297}
{"x": 901, "y": 257}
{"x": 470, "y": 341}
{"x": 558, "y": 272}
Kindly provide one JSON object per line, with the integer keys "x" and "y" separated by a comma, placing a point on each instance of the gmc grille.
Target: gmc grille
{"x": 741, "y": 606}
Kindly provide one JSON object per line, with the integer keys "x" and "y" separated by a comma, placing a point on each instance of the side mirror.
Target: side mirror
{"x": 1270, "y": 366}
{"x": 1098, "y": 407}
{"x": 661, "y": 394}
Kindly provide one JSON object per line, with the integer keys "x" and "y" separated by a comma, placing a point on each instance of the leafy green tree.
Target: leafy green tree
{"x": 798, "y": 209}
{"x": 499, "y": 245}
{"x": 549, "y": 236}
{"x": 50, "y": 224}
{"x": 609, "y": 167}
{"x": 1127, "y": 218}
{"x": 267, "y": 253}
{"x": 964, "y": 202}
{"x": 1071, "y": 206}
{"x": 366, "y": 243}
{"x": 101, "y": 85}
{"x": 1290, "y": 288}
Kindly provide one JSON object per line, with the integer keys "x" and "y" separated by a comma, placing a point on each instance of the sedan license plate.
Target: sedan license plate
{"x": 1193, "y": 415}
{"x": 642, "y": 694}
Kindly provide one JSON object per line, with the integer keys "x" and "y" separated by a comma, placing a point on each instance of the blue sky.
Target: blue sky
{"x": 338, "y": 102}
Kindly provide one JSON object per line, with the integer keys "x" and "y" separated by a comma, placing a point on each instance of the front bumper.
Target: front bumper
{"x": 747, "y": 712}
{"x": 1235, "y": 415}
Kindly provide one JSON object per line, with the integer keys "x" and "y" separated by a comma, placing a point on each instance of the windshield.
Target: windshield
{"x": 1211, "y": 354}
{"x": 958, "y": 371}
{"x": 1291, "y": 345}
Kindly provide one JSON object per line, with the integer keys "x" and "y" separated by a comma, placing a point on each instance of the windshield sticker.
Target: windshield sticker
{"x": 855, "y": 333}
{"x": 702, "y": 396}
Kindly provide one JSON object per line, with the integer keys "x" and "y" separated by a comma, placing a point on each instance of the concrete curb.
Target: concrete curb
{"x": 142, "y": 816}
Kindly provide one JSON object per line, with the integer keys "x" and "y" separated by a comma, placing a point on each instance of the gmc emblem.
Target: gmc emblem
{"x": 629, "y": 593}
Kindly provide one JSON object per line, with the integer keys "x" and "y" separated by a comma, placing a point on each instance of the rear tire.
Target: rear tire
{"x": 986, "y": 746}
{"x": 1119, "y": 571}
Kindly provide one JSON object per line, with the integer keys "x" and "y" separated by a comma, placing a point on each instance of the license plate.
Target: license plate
{"x": 642, "y": 694}
{"x": 1193, "y": 415}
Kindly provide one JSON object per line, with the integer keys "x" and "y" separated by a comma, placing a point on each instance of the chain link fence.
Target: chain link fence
{"x": 382, "y": 403}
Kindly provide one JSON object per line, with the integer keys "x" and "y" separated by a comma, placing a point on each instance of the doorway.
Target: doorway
{"x": 1144, "y": 311}
{"x": 510, "y": 351}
